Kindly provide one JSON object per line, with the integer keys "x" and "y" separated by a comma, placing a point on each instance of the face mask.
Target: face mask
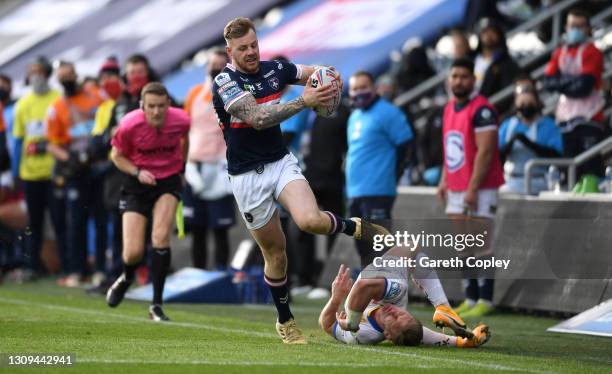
{"x": 362, "y": 99}
{"x": 4, "y": 95}
{"x": 528, "y": 111}
{"x": 112, "y": 88}
{"x": 575, "y": 36}
{"x": 136, "y": 83}
{"x": 39, "y": 84}
{"x": 70, "y": 87}
{"x": 214, "y": 73}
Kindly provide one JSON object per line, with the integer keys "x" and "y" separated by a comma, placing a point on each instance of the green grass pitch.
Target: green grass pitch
{"x": 43, "y": 318}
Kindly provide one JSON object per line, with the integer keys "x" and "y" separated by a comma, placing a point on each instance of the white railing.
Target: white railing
{"x": 571, "y": 163}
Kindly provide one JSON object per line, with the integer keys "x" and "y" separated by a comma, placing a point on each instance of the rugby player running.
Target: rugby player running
{"x": 246, "y": 98}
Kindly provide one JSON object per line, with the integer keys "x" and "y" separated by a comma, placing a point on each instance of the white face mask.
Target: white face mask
{"x": 39, "y": 84}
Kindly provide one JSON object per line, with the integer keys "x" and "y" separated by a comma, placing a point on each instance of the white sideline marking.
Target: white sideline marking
{"x": 266, "y": 335}
{"x": 247, "y": 363}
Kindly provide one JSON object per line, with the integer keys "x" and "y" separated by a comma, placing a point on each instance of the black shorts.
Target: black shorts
{"x": 211, "y": 214}
{"x": 140, "y": 198}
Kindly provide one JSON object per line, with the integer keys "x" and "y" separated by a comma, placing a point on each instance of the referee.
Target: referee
{"x": 150, "y": 146}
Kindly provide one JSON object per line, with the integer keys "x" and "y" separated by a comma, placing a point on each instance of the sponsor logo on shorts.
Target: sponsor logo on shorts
{"x": 248, "y": 217}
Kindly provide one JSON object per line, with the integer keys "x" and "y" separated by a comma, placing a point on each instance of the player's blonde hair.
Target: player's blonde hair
{"x": 238, "y": 27}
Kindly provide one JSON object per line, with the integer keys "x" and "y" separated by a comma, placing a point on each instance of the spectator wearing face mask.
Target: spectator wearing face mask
{"x": 138, "y": 72}
{"x": 69, "y": 123}
{"x": 379, "y": 137}
{"x": 526, "y": 135}
{"x": 34, "y": 164}
{"x": 575, "y": 71}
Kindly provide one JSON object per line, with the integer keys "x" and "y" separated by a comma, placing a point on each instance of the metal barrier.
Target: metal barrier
{"x": 571, "y": 163}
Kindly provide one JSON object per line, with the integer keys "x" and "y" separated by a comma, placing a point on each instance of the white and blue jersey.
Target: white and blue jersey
{"x": 248, "y": 148}
{"x": 396, "y": 293}
{"x": 373, "y": 135}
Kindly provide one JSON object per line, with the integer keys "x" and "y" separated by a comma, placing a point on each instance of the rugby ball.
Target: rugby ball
{"x": 322, "y": 77}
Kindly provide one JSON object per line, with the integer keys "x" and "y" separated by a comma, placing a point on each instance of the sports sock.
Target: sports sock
{"x": 431, "y": 337}
{"x": 129, "y": 271}
{"x": 427, "y": 280}
{"x": 159, "y": 269}
{"x": 340, "y": 224}
{"x": 280, "y": 295}
{"x": 199, "y": 247}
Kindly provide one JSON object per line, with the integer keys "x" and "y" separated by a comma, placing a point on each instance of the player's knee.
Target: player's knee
{"x": 160, "y": 237}
{"x": 310, "y": 221}
{"x": 132, "y": 256}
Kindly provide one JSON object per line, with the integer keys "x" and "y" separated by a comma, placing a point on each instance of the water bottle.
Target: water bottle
{"x": 608, "y": 186}
{"x": 553, "y": 179}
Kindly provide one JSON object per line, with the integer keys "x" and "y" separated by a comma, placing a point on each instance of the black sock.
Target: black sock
{"x": 221, "y": 247}
{"x": 340, "y": 224}
{"x": 485, "y": 289}
{"x": 129, "y": 271}
{"x": 470, "y": 288}
{"x": 280, "y": 294}
{"x": 159, "y": 270}
{"x": 199, "y": 249}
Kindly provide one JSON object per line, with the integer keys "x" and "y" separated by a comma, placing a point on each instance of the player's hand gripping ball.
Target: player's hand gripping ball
{"x": 322, "y": 77}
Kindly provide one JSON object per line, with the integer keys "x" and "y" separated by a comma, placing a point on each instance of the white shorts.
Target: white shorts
{"x": 487, "y": 203}
{"x": 256, "y": 193}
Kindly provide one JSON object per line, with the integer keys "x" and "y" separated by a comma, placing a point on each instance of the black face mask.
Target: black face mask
{"x": 214, "y": 73}
{"x": 70, "y": 87}
{"x": 4, "y": 95}
{"x": 529, "y": 111}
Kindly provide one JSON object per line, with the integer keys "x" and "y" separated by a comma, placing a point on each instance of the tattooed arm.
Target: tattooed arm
{"x": 261, "y": 117}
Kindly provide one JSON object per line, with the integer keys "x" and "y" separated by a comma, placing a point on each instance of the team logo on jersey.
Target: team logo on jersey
{"x": 222, "y": 79}
{"x": 394, "y": 291}
{"x": 454, "y": 151}
{"x": 250, "y": 88}
{"x": 259, "y": 86}
{"x": 273, "y": 82}
{"x": 486, "y": 113}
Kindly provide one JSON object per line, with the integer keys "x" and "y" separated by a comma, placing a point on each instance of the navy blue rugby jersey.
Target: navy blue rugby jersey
{"x": 248, "y": 148}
